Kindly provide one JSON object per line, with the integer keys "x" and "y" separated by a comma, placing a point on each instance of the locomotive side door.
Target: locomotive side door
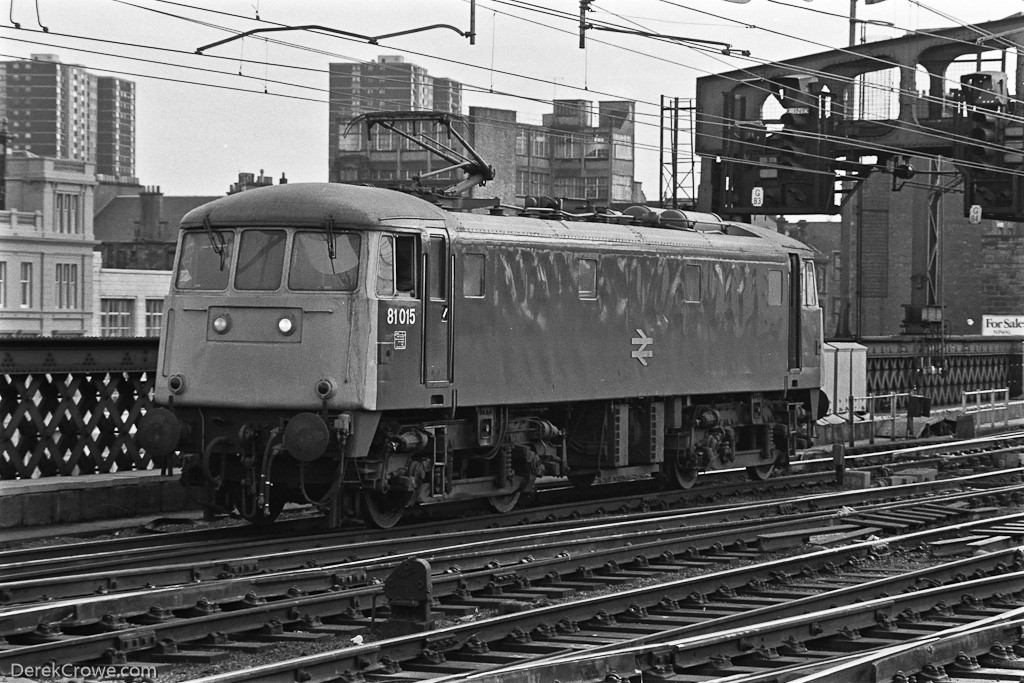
{"x": 436, "y": 309}
{"x": 796, "y": 300}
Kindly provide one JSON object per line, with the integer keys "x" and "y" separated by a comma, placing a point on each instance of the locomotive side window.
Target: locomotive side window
{"x": 405, "y": 264}
{"x": 692, "y": 283}
{"x": 313, "y": 268}
{"x": 586, "y": 278}
{"x": 774, "y": 287}
{"x": 260, "y": 259}
{"x": 473, "y": 275}
{"x": 205, "y": 260}
{"x": 396, "y": 262}
{"x": 386, "y": 266}
{"x": 810, "y": 285}
{"x": 436, "y": 261}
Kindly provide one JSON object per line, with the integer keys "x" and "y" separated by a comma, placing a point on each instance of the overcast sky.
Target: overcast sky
{"x": 259, "y": 103}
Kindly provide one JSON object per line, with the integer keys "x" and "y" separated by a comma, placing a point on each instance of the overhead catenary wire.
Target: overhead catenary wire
{"x": 516, "y": 3}
{"x": 367, "y": 107}
{"x": 180, "y": 4}
{"x": 903, "y": 124}
{"x": 944, "y": 136}
{"x": 508, "y": 94}
{"x": 851, "y": 51}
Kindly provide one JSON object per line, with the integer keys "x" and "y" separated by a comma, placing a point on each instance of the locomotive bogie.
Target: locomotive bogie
{"x": 368, "y": 352}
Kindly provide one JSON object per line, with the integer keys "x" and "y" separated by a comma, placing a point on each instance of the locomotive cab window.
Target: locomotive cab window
{"x": 205, "y": 260}
{"x": 396, "y": 266}
{"x": 586, "y": 278}
{"x": 260, "y": 259}
{"x": 324, "y": 262}
{"x": 774, "y": 287}
{"x": 473, "y": 275}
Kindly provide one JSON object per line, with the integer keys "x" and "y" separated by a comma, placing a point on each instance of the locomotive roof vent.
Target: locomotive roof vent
{"x": 676, "y": 219}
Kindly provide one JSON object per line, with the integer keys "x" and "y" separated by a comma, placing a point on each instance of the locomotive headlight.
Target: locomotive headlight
{"x": 286, "y": 325}
{"x": 221, "y": 324}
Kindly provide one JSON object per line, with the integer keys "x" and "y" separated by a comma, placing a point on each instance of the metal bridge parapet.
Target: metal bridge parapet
{"x": 71, "y": 405}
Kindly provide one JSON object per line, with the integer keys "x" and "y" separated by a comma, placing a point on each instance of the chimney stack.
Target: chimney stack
{"x": 151, "y": 214}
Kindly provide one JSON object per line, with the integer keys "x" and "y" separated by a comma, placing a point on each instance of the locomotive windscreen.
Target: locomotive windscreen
{"x": 316, "y": 267}
{"x": 260, "y": 259}
{"x": 205, "y": 260}
{"x": 319, "y": 262}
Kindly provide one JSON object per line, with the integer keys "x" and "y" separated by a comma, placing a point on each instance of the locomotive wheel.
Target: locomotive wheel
{"x": 581, "y": 482}
{"x": 504, "y": 504}
{"x": 760, "y": 472}
{"x": 682, "y": 475}
{"x": 380, "y": 510}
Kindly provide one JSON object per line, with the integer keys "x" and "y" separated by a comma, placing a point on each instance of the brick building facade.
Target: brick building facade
{"x": 980, "y": 267}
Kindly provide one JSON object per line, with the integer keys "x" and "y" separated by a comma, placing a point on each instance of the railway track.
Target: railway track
{"x": 86, "y": 569}
{"x": 549, "y": 504}
{"x": 346, "y": 592}
{"x": 694, "y": 626}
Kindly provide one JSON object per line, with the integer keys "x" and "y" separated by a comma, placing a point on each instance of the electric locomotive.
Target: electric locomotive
{"x": 368, "y": 351}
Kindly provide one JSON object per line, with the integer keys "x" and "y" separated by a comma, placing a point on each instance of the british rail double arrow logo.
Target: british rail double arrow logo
{"x": 642, "y": 353}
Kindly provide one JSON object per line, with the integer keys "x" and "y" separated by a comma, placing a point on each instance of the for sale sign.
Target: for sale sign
{"x": 1002, "y": 325}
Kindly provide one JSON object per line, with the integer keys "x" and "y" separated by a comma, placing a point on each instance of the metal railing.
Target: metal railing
{"x": 879, "y": 409}
{"x": 869, "y": 405}
{"x": 972, "y": 403}
{"x": 71, "y": 406}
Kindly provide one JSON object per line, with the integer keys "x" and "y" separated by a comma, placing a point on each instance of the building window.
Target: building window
{"x": 568, "y": 188}
{"x": 3, "y": 284}
{"x": 117, "y": 317}
{"x": 521, "y": 145}
{"x": 622, "y": 188}
{"x": 154, "y": 316}
{"x": 26, "y": 285}
{"x": 539, "y": 146}
{"x": 594, "y": 188}
{"x": 568, "y": 147}
{"x": 539, "y": 183}
{"x": 596, "y": 148}
{"x": 581, "y": 188}
{"x": 67, "y": 285}
{"x": 385, "y": 141}
{"x": 522, "y": 183}
{"x": 67, "y": 213}
{"x": 623, "y": 147}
